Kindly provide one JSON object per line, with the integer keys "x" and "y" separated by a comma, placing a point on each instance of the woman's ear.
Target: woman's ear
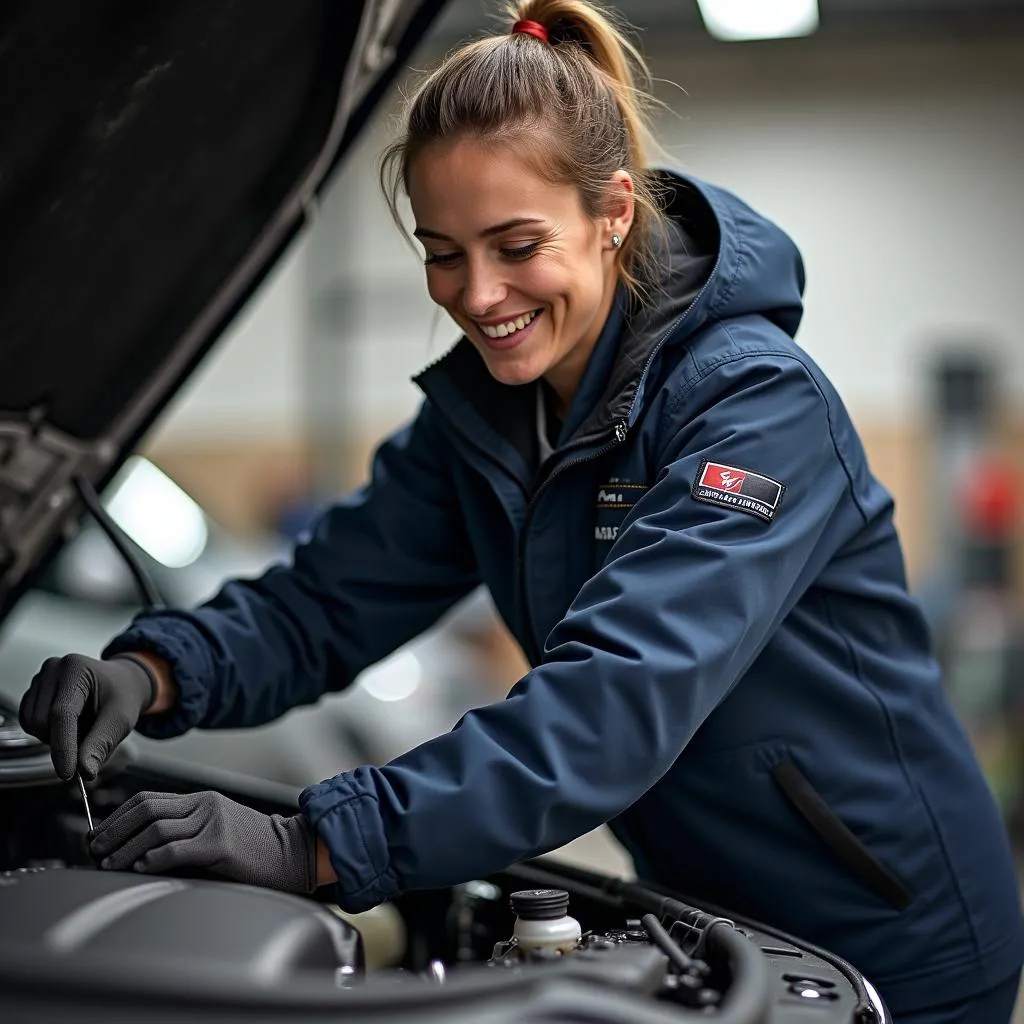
{"x": 620, "y": 205}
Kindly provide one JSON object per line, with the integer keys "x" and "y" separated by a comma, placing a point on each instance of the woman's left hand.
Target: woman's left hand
{"x": 164, "y": 832}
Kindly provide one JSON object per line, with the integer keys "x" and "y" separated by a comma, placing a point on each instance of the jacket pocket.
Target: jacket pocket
{"x": 838, "y": 837}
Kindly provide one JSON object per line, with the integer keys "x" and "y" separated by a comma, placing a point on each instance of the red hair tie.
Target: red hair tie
{"x": 531, "y": 28}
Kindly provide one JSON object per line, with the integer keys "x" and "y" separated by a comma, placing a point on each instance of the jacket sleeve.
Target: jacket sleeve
{"x": 652, "y": 643}
{"x": 379, "y": 567}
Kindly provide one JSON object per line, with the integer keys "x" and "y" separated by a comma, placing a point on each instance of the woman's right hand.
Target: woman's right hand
{"x": 84, "y": 707}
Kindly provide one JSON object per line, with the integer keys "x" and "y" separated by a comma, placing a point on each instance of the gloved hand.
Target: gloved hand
{"x": 163, "y": 832}
{"x": 77, "y": 696}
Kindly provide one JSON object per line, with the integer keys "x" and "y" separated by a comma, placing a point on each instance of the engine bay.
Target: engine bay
{"x": 539, "y": 941}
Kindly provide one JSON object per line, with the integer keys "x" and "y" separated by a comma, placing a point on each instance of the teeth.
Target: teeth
{"x": 504, "y": 330}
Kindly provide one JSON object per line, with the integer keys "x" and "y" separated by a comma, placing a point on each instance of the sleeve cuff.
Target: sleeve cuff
{"x": 182, "y": 646}
{"x": 345, "y": 814}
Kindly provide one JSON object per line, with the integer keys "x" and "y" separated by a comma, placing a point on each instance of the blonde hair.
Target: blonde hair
{"x": 579, "y": 103}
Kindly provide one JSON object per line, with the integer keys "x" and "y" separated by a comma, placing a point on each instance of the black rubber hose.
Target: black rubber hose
{"x": 747, "y": 1000}
{"x": 147, "y": 589}
{"x": 666, "y": 943}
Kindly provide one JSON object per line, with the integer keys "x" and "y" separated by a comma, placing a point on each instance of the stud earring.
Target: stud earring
{"x": 616, "y": 241}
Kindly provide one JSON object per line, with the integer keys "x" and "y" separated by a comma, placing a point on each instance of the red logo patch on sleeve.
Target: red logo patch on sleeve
{"x": 741, "y": 489}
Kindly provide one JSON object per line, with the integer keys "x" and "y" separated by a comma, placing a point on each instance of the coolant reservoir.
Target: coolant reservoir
{"x": 542, "y": 921}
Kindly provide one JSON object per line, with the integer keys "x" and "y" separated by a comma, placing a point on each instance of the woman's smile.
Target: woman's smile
{"x": 509, "y": 332}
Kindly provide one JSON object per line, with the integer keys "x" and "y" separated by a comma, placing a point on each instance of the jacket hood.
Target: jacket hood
{"x": 745, "y": 263}
{"x": 758, "y": 269}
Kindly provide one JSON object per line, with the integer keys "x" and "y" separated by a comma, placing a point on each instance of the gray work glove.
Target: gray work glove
{"x": 163, "y": 832}
{"x": 84, "y": 708}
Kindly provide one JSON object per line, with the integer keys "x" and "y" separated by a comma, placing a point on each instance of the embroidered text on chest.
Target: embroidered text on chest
{"x": 614, "y": 499}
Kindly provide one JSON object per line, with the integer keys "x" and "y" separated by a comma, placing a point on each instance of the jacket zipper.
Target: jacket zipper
{"x": 620, "y": 431}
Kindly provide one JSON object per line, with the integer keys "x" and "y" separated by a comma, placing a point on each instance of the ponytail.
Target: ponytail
{"x": 580, "y": 99}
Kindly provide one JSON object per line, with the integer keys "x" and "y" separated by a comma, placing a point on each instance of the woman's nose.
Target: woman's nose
{"x": 483, "y": 291}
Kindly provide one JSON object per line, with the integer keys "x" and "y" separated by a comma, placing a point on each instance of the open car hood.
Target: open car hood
{"x": 155, "y": 161}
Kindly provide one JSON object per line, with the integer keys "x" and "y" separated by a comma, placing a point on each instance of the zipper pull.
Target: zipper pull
{"x": 621, "y": 430}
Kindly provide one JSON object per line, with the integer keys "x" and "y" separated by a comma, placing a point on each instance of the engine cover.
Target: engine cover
{"x": 122, "y": 920}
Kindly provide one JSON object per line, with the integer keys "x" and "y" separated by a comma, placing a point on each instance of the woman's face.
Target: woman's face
{"x": 515, "y": 261}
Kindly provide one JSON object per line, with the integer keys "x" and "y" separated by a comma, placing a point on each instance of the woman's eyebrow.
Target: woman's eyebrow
{"x": 497, "y": 229}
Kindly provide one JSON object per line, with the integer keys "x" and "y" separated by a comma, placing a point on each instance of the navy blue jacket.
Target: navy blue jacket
{"x": 727, "y": 666}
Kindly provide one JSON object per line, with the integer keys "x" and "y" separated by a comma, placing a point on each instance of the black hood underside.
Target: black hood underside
{"x": 155, "y": 161}
{"x": 146, "y": 146}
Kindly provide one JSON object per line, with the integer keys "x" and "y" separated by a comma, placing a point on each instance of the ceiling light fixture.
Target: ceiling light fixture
{"x": 734, "y": 20}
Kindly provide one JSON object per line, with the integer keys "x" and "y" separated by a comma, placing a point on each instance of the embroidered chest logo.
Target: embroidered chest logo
{"x": 614, "y": 500}
{"x": 741, "y": 489}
